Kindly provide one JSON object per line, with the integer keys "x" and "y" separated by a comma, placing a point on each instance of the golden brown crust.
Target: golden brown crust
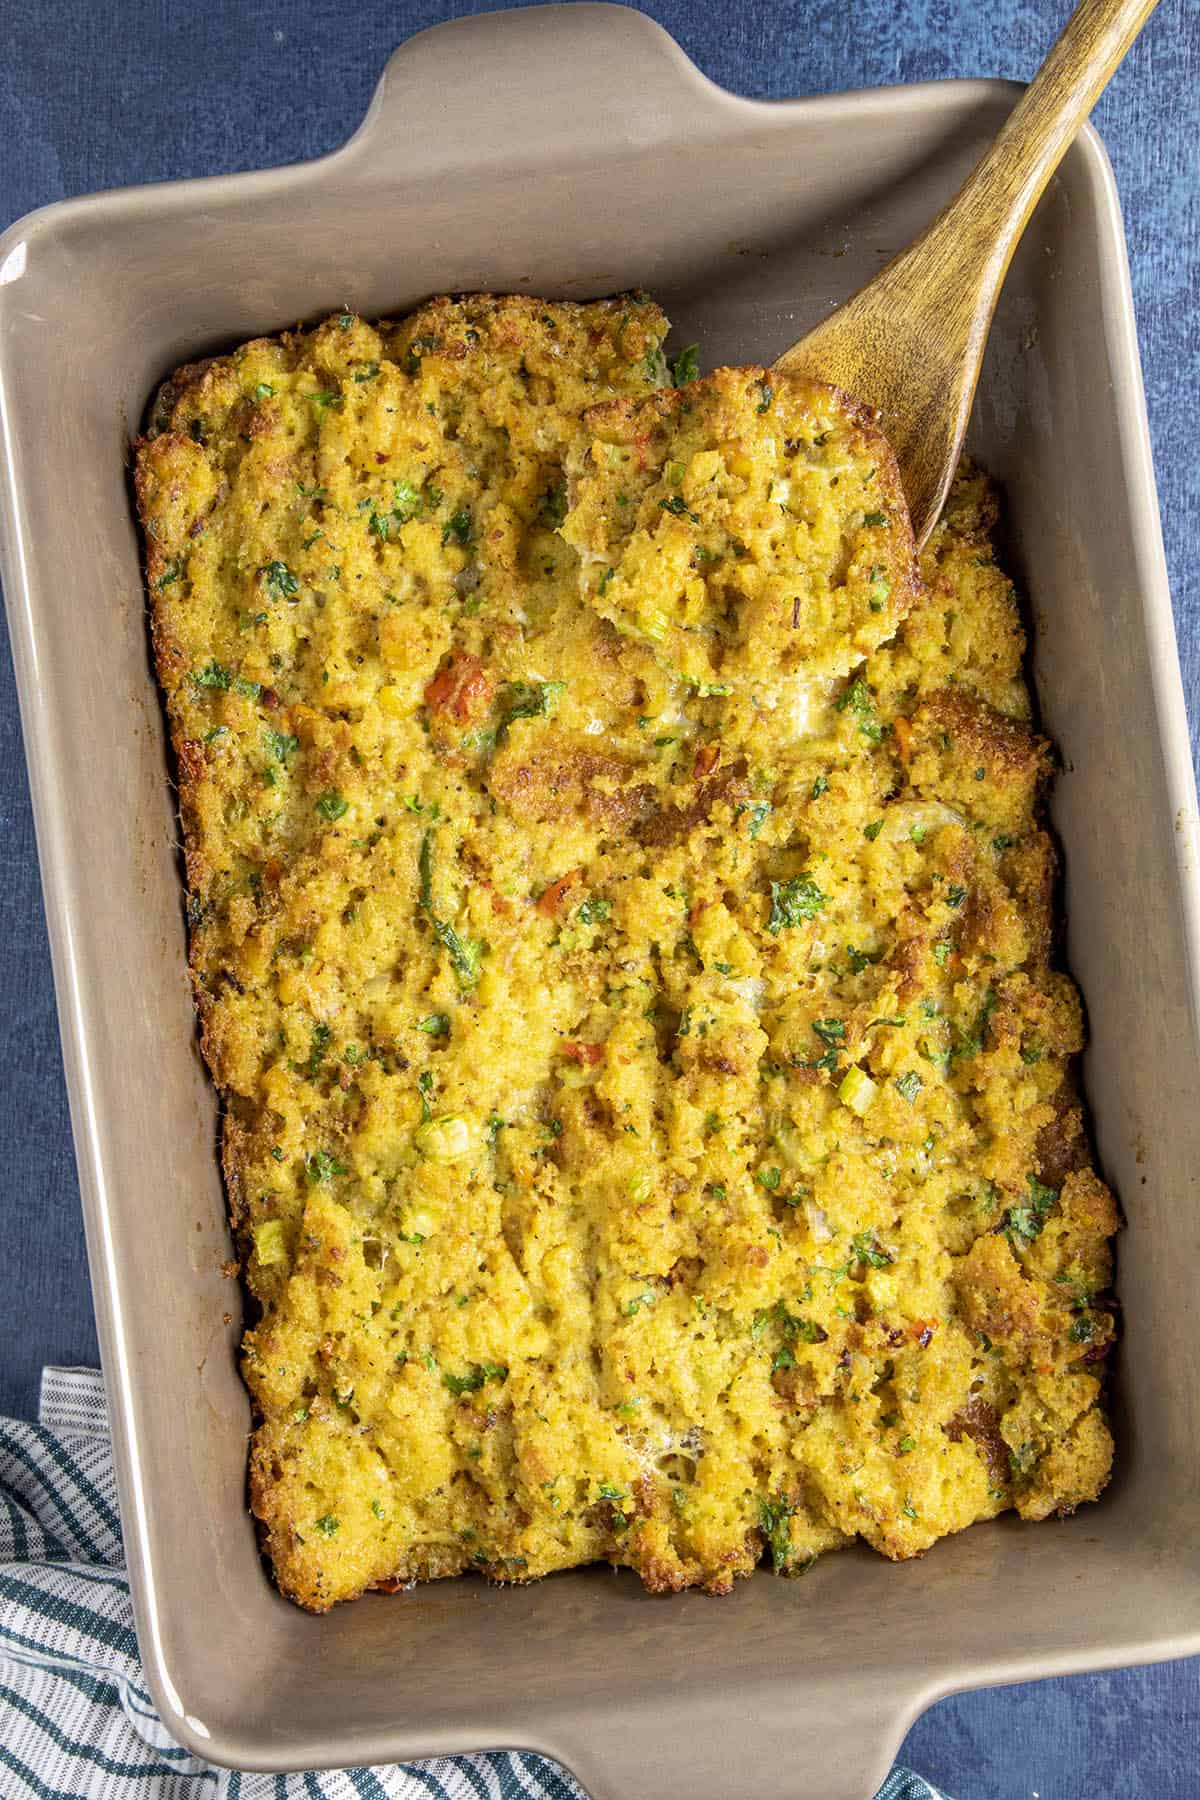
{"x": 647, "y": 1097}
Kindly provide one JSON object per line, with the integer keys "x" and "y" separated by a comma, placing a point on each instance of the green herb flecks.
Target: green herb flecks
{"x": 322, "y": 1166}
{"x": 857, "y": 699}
{"x": 686, "y": 366}
{"x": 866, "y": 1248}
{"x": 774, "y": 1518}
{"x": 280, "y": 745}
{"x": 457, "y": 529}
{"x": 616, "y": 1497}
{"x": 792, "y": 902}
{"x": 528, "y": 700}
{"x": 1023, "y": 1224}
{"x": 466, "y": 954}
{"x": 279, "y": 580}
{"x": 654, "y": 365}
{"x": 316, "y": 1055}
{"x": 553, "y": 506}
{"x": 476, "y": 1377}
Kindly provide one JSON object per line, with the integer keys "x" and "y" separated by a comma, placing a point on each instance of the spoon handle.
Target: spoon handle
{"x": 911, "y": 342}
{"x": 1007, "y": 183}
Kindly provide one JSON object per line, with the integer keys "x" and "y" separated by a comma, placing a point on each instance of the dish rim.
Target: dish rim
{"x": 122, "y": 206}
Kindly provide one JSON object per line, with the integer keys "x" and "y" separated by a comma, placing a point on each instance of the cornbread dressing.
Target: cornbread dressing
{"x": 621, "y": 927}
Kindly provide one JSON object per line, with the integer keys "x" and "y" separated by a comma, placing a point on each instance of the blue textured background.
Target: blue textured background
{"x": 98, "y": 97}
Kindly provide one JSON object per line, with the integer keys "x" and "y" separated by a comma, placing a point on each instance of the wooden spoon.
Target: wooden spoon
{"x": 910, "y": 343}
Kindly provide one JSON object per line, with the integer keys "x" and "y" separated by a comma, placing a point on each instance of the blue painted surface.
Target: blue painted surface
{"x": 98, "y": 97}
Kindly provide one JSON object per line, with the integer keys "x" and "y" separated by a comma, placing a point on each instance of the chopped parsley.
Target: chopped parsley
{"x": 654, "y": 364}
{"x": 857, "y": 699}
{"x": 774, "y": 1518}
{"x": 686, "y": 366}
{"x": 332, "y": 806}
{"x": 279, "y": 580}
{"x": 908, "y": 1086}
{"x": 766, "y": 395}
{"x": 435, "y": 1025}
{"x": 457, "y": 529}
{"x": 475, "y": 1378}
{"x": 793, "y": 901}
{"x": 632, "y": 1307}
{"x": 971, "y": 1042}
{"x": 554, "y": 504}
{"x": 322, "y": 1166}
{"x": 865, "y": 1247}
{"x": 615, "y": 1496}
{"x": 316, "y": 1055}
{"x": 280, "y": 745}
{"x": 328, "y": 1525}
{"x": 594, "y": 911}
{"x": 465, "y": 953}
{"x": 528, "y": 700}
{"x": 1024, "y": 1223}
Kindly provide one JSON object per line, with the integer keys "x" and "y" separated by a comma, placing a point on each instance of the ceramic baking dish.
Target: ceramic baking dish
{"x": 574, "y": 151}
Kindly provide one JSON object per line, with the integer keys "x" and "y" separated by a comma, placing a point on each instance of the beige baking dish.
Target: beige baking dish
{"x": 574, "y": 151}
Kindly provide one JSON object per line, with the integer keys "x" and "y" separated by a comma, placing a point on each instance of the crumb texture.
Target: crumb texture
{"x": 621, "y": 928}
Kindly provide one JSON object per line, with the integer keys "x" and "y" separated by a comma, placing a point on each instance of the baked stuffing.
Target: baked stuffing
{"x": 621, "y": 923}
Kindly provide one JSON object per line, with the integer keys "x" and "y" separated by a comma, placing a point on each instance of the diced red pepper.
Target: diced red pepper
{"x": 461, "y": 687}
{"x": 551, "y": 898}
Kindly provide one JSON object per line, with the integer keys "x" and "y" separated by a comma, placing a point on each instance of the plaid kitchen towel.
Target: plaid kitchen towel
{"x": 75, "y": 1718}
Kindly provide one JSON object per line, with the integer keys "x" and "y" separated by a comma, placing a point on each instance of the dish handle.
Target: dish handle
{"x": 747, "y": 1741}
{"x": 496, "y": 82}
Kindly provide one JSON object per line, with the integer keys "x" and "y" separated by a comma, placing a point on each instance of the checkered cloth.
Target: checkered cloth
{"x": 75, "y": 1718}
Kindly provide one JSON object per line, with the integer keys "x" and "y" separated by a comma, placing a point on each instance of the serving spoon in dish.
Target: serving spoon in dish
{"x": 911, "y": 341}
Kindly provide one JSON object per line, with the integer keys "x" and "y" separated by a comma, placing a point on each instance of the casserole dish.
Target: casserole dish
{"x": 574, "y": 151}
